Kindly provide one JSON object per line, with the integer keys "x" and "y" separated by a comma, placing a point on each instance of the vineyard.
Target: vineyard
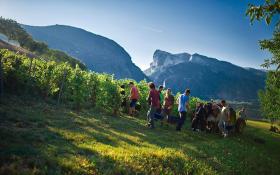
{"x": 63, "y": 84}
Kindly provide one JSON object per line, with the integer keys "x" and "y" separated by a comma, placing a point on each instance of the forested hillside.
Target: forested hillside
{"x": 13, "y": 31}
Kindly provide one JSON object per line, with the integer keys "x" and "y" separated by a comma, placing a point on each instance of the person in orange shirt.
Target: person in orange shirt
{"x": 134, "y": 96}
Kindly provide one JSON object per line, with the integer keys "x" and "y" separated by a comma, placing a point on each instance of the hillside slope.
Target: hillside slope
{"x": 37, "y": 138}
{"x": 100, "y": 54}
{"x": 12, "y": 33}
{"x": 208, "y": 78}
{"x": 20, "y": 50}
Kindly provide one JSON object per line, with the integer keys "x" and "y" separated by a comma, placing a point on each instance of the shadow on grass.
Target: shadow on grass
{"x": 223, "y": 155}
{"x": 28, "y": 146}
{"x": 46, "y": 140}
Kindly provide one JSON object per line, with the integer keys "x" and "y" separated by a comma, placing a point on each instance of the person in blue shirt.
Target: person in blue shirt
{"x": 183, "y": 107}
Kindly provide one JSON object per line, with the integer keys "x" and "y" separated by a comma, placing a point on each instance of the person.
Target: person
{"x": 167, "y": 104}
{"x": 134, "y": 96}
{"x": 213, "y": 118}
{"x": 161, "y": 99}
{"x": 242, "y": 113}
{"x": 232, "y": 116}
{"x": 241, "y": 121}
{"x": 183, "y": 107}
{"x": 161, "y": 96}
{"x": 224, "y": 118}
{"x": 198, "y": 122}
{"x": 153, "y": 100}
{"x": 220, "y": 105}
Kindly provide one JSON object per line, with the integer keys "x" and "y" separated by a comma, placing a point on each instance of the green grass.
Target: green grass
{"x": 37, "y": 138}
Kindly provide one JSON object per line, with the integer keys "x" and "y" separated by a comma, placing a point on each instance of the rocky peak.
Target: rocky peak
{"x": 163, "y": 59}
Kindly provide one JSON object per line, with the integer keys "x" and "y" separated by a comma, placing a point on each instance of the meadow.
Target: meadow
{"x": 41, "y": 138}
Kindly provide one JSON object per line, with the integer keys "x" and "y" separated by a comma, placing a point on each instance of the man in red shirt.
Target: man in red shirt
{"x": 134, "y": 96}
{"x": 154, "y": 103}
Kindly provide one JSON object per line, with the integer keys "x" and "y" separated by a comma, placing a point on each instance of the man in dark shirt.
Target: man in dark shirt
{"x": 154, "y": 103}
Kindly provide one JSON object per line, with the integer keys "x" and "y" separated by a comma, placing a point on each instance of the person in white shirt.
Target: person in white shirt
{"x": 224, "y": 118}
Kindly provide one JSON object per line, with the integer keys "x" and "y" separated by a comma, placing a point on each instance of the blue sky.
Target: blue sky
{"x": 215, "y": 28}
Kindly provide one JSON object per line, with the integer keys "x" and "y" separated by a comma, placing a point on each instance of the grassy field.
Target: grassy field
{"x": 36, "y": 138}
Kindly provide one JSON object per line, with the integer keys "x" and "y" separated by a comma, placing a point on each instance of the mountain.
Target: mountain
{"x": 208, "y": 78}
{"x": 100, "y": 54}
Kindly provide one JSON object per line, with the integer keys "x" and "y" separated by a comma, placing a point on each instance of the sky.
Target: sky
{"x": 215, "y": 28}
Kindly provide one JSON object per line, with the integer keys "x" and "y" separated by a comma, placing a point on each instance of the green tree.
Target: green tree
{"x": 267, "y": 11}
{"x": 273, "y": 46}
{"x": 270, "y": 96}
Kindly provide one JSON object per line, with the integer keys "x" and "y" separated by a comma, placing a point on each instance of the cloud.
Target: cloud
{"x": 151, "y": 29}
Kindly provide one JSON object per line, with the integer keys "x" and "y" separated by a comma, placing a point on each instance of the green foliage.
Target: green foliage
{"x": 93, "y": 87}
{"x": 77, "y": 89}
{"x": 45, "y": 78}
{"x": 194, "y": 101}
{"x": 267, "y": 11}
{"x": 273, "y": 46}
{"x": 80, "y": 88}
{"x": 59, "y": 56}
{"x": 15, "y": 71}
{"x": 109, "y": 93}
{"x": 144, "y": 92}
{"x": 14, "y": 31}
{"x": 270, "y": 97}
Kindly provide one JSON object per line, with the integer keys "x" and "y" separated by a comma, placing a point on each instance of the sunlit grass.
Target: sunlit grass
{"x": 42, "y": 139}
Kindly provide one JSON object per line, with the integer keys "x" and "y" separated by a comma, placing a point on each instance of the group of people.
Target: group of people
{"x": 218, "y": 117}
{"x": 213, "y": 117}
